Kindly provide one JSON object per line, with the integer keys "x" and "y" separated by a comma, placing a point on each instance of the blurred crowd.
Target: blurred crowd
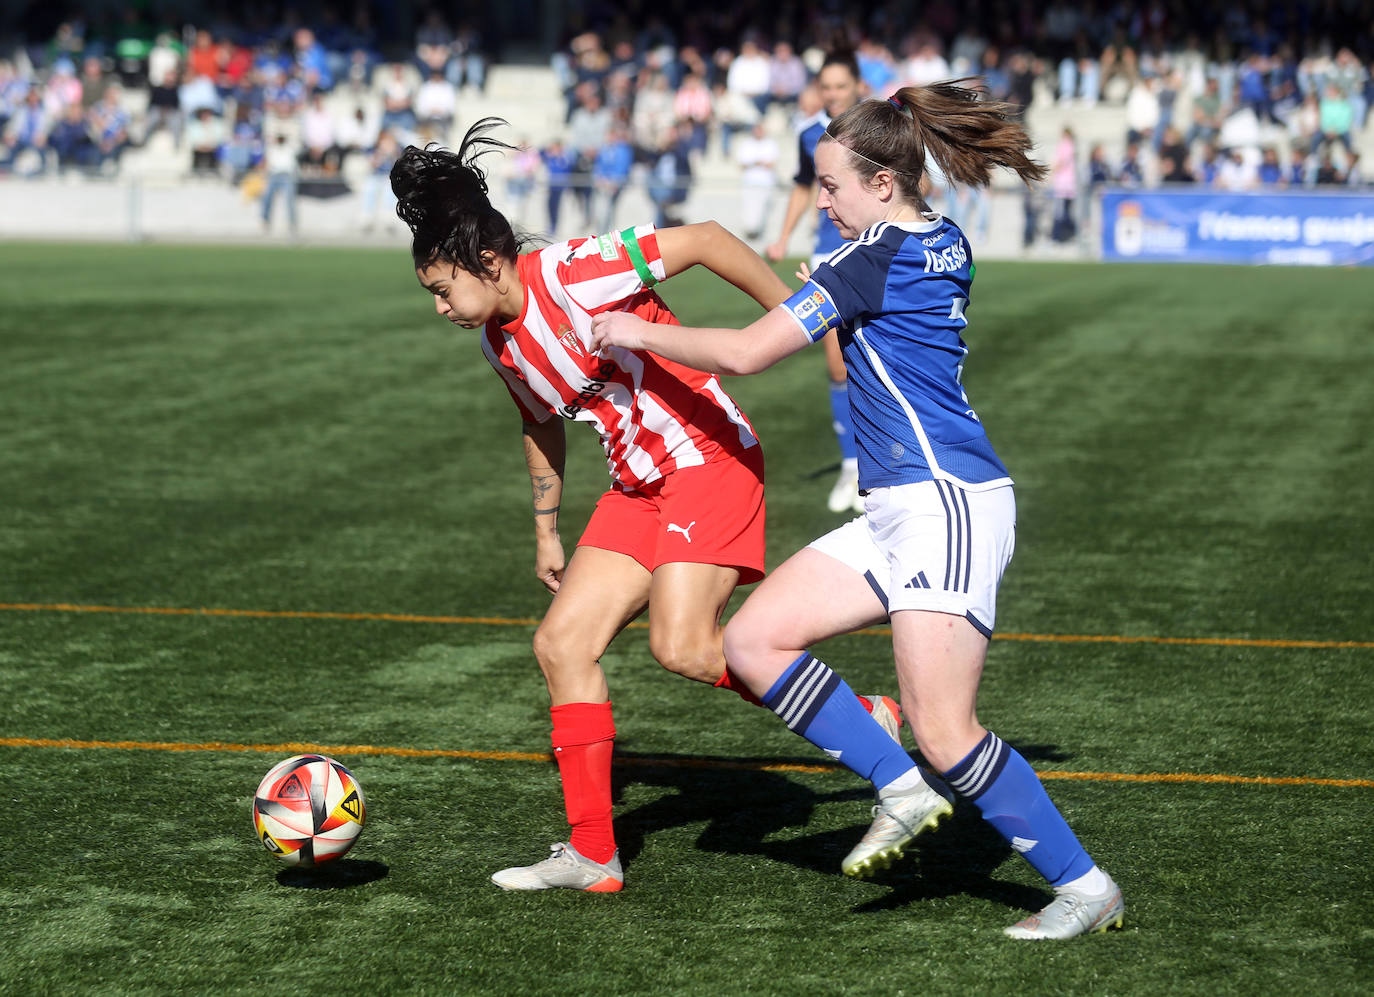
{"x": 1234, "y": 95}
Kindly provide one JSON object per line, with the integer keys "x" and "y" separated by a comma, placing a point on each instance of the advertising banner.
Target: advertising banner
{"x": 1207, "y": 226}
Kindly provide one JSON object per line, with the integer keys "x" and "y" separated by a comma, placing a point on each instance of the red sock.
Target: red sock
{"x": 583, "y": 740}
{"x": 733, "y": 683}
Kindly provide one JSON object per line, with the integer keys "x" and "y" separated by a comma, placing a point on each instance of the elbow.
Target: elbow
{"x": 745, "y": 361}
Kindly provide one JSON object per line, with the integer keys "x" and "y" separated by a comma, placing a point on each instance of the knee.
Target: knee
{"x": 556, "y": 652}
{"x": 695, "y": 657}
{"x": 943, "y": 740}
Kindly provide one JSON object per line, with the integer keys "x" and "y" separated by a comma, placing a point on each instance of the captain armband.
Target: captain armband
{"x": 814, "y": 311}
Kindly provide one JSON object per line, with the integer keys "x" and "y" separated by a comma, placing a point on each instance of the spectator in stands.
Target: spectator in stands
{"x": 198, "y": 91}
{"x": 244, "y": 150}
{"x": 670, "y": 180}
{"x": 653, "y": 114}
{"x": 693, "y": 112}
{"x": 560, "y": 163}
{"x": 320, "y": 150}
{"x": 92, "y": 82}
{"x": 436, "y": 105}
{"x": 1021, "y": 73}
{"x": 1209, "y": 165}
{"x": 433, "y": 46}
{"x": 1064, "y": 186}
{"x": 70, "y": 140}
{"x": 1099, "y": 170}
{"x": 1270, "y": 169}
{"x": 1174, "y": 157}
{"x": 232, "y": 64}
{"x": 12, "y": 90}
{"x": 1132, "y": 170}
{"x": 63, "y": 89}
{"x": 354, "y": 134}
{"x": 377, "y": 186}
{"x": 787, "y": 75}
{"x": 1327, "y": 173}
{"x": 469, "y": 64}
{"x": 925, "y": 64}
{"x": 757, "y": 156}
{"x": 965, "y": 52}
{"x": 877, "y": 67}
{"x": 995, "y": 82}
{"x": 109, "y": 124}
{"x": 1301, "y": 165}
{"x": 524, "y": 168}
{"x": 282, "y": 167}
{"x": 27, "y": 132}
{"x": 1208, "y": 114}
{"x": 164, "y": 107}
{"x": 750, "y": 74}
{"x": 610, "y": 173}
{"x": 1118, "y": 59}
{"x": 164, "y": 58}
{"x": 205, "y": 135}
{"x": 1337, "y": 117}
{"x": 1142, "y": 110}
{"x": 1079, "y": 73}
{"x": 588, "y": 127}
{"x": 201, "y": 60}
{"x": 312, "y": 61}
{"x": 1236, "y": 172}
{"x": 398, "y": 102}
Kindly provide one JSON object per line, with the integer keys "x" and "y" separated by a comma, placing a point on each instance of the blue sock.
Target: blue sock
{"x": 843, "y": 420}
{"x": 817, "y": 704}
{"x": 1001, "y": 784}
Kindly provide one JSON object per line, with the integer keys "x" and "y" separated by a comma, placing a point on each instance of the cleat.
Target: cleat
{"x": 845, "y": 495}
{"x": 1071, "y": 914}
{"x": 888, "y": 714}
{"x": 897, "y": 819}
{"x": 566, "y": 868}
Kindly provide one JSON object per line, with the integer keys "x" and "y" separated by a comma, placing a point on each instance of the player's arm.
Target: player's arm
{"x": 728, "y": 351}
{"x": 801, "y": 198}
{"x": 545, "y": 451}
{"x": 719, "y": 250}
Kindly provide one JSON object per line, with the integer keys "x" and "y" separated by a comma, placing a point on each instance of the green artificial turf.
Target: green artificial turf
{"x": 281, "y": 433}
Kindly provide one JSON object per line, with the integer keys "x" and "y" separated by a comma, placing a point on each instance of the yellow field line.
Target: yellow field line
{"x": 298, "y": 747}
{"x": 501, "y": 621}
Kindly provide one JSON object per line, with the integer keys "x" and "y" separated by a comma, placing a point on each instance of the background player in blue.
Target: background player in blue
{"x": 940, "y": 518}
{"x": 840, "y": 87}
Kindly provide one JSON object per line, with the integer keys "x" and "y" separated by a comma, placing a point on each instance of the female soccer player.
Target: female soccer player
{"x": 840, "y": 86}
{"x": 939, "y": 521}
{"x": 683, "y": 522}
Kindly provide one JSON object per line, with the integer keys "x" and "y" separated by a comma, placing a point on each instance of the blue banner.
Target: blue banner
{"x": 1207, "y": 226}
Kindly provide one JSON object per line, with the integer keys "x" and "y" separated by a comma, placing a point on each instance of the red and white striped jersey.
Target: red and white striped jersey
{"x": 653, "y": 415}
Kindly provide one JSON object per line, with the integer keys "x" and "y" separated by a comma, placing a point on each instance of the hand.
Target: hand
{"x": 617, "y": 329}
{"x": 549, "y": 562}
{"x": 803, "y": 272}
{"x": 775, "y": 251}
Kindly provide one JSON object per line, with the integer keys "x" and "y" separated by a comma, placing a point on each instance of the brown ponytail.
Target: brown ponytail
{"x": 965, "y": 135}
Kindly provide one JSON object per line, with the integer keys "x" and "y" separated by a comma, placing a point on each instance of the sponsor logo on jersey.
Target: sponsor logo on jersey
{"x": 590, "y": 391}
{"x": 609, "y": 245}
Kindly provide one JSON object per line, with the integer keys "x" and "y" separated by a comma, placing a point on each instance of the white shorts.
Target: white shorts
{"x": 933, "y": 546}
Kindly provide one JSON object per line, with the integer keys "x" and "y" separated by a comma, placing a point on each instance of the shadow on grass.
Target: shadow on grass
{"x": 338, "y": 875}
{"x": 747, "y": 812}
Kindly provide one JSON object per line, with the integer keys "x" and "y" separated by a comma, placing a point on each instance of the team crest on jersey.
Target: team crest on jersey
{"x": 568, "y": 337}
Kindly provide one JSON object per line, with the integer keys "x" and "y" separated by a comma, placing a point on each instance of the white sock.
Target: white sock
{"x": 1093, "y": 883}
{"x": 904, "y": 783}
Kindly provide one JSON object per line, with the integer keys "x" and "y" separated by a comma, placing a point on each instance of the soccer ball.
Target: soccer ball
{"x": 308, "y": 810}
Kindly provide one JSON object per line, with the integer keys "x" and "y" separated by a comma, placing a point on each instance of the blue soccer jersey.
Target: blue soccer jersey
{"x": 828, "y": 238}
{"x": 897, "y": 295}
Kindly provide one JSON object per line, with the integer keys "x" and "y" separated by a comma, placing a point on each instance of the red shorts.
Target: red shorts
{"x": 709, "y": 514}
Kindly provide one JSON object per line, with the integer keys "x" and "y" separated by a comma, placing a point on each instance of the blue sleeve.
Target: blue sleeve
{"x": 856, "y": 281}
